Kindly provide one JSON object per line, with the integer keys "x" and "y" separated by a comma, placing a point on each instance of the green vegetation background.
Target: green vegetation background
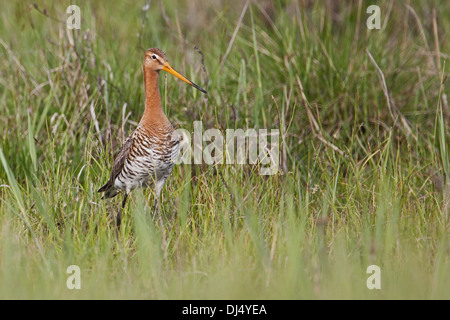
{"x": 364, "y": 167}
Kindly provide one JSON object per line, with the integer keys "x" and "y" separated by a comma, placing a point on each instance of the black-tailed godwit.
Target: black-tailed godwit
{"x": 147, "y": 156}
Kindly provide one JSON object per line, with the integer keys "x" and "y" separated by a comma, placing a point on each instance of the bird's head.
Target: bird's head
{"x": 156, "y": 60}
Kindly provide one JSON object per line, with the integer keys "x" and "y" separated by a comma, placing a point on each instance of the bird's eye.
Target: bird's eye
{"x": 153, "y": 57}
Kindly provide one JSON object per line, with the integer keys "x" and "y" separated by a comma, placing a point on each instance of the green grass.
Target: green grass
{"x": 358, "y": 185}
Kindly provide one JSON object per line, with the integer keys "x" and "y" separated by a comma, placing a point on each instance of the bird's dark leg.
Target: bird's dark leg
{"x": 158, "y": 202}
{"x": 157, "y": 209}
{"x": 163, "y": 230}
{"x": 119, "y": 215}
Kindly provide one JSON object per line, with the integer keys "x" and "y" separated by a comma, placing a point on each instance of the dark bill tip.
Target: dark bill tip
{"x": 199, "y": 88}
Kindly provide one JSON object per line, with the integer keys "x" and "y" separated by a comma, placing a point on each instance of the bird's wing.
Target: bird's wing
{"x": 121, "y": 156}
{"x": 119, "y": 162}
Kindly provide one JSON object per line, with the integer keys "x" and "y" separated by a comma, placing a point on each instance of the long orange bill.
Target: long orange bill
{"x": 170, "y": 70}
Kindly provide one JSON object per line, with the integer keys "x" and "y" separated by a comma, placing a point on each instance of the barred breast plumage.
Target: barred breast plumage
{"x": 146, "y": 159}
{"x": 150, "y": 160}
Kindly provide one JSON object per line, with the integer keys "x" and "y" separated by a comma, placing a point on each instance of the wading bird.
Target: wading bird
{"x": 147, "y": 157}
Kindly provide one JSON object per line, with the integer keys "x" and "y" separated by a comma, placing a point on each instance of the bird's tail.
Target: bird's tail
{"x": 109, "y": 190}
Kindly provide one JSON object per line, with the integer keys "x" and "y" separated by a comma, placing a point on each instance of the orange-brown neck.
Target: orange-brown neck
{"x": 153, "y": 117}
